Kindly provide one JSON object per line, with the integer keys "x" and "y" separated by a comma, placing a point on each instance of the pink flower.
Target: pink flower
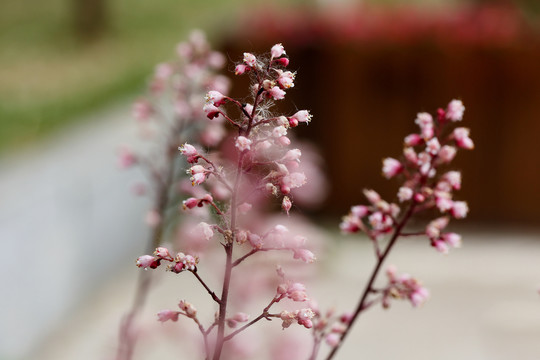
{"x": 205, "y": 231}
{"x": 447, "y": 153}
{"x": 359, "y": 211}
{"x": 277, "y": 51}
{"x": 433, "y": 146}
{"x": 301, "y": 116}
{"x": 255, "y": 240}
{"x": 304, "y": 255}
{"x": 211, "y": 111}
{"x": 292, "y": 155}
{"x": 304, "y": 317}
{"x": 391, "y": 167}
{"x": 285, "y": 79}
{"x": 413, "y": 140}
{"x": 452, "y": 239}
{"x": 276, "y": 93}
{"x": 240, "y": 69}
{"x": 332, "y": 339}
{"x": 190, "y": 203}
{"x": 243, "y": 143}
{"x": 425, "y": 122}
{"x": 419, "y": 296}
{"x": 372, "y": 196}
{"x": 216, "y": 98}
{"x": 292, "y": 181}
{"x": 461, "y": 135}
{"x": 410, "y": 155}
{"x": 188, "y": 308}
{"x": 162, "y": 252}
{"x": 146, "y": 261}
{"x": 440, "y": 246}
{"x": 405, "y": 193}
{"x": 459, "y": 209}
{"x": 455, "y": 110}
{"x": 244, "y": 208}
{"x": 250, "y": 60}
{"x": 454, "y": 179}
{"x": 286, "y": 204}
{"x": 165, "y": 315}
{"x": 190, "y": 152}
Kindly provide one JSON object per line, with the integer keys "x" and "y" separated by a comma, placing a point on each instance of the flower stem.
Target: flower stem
{"x": 369, "y": 286}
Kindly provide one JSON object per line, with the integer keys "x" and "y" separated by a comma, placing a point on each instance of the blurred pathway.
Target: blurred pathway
{"x": 483, "y": 306}
{"x": 66, "y": 214}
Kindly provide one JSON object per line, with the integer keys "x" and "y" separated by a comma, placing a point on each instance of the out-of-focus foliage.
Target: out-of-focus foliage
{"x": 48, "y": 75}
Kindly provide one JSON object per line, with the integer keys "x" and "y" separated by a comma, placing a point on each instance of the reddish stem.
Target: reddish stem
{"x": 369, "y": 287}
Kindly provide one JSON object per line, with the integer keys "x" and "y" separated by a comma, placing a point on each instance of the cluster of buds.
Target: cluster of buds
{"x": 181, "y": 262}
{"x": 422, "y": 185}
{"x": 187, "y": 310}
{"x": 439, "y": 240}
{"x": 328, "y": 327}
{"x": 376, "y": 219}
{"x": 403, "y": 286}
{"x": 301, "y": 317}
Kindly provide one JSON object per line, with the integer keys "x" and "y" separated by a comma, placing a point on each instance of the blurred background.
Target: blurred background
{"x": 70, "y": 69}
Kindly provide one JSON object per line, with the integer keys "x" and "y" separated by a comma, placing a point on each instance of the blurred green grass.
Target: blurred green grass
{"x": 48, "y": 76}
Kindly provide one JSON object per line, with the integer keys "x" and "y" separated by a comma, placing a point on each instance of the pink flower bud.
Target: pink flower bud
{"x": 276, "y": 93}
{"x": 255, "y": 240}
{"x": 302, "y": 116}
{"x": 452, "y": 239}
{"x": 286, "y": 204}
{"x": 190, "y": 203}
{"x": 277, "y": 51}
{"x": 240, "y": 69}
{"x": 162, "y": 252}
{"x": 198, "y": 178}
{"x": 304, "y": 255}
{"x": 372, "y": 196}
{"x": 359, "y": 211}
{"x": 243, "y": 143}
{"x": 244, "y": 208}
{"x": 459, "y": 209}
{"x": 286, "y": 79}
{"x": 405, "y": 194}
{"x": 413, "y": 140}
{"x": 205, "y": 231}
{"x": 216, "y": 98}
{"x": 455, "y": 110}
{"x": 188, "y": 308}
{"x": 447, "y": 153}
{"x": 188, "y": 150}
{"x": 250, "y": 60}
{"x": 433, "y": 146}
{"x": 282, "y": 61}
{"x": 241, "y": 317}
{"x": 284, "y": 141}
{"x": 211, "y": 111}
{"x": 145, "y": 261}
{"x": 461, "y": 135}
{"x": 391, "y": 167}
{"x": 292, "y": 155}
{"x": 332, "y": 339}
{"x": 165, "y": 315}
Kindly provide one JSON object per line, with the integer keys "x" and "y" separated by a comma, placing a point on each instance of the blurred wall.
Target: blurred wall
{"x": 366, "y": 73}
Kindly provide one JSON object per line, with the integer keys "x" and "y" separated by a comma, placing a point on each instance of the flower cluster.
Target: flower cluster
{"x": 231, "y": 185}
{"x": 403, "y": 287}
{"x": 179, "y": 263}
{"x": 425, "y": 187}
